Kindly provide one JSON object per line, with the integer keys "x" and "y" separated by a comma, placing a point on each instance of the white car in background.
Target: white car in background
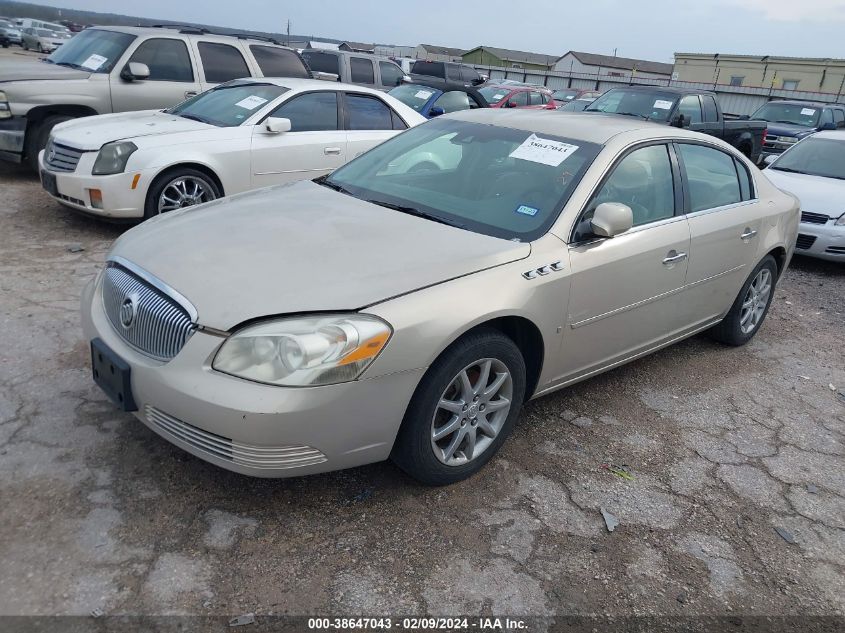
{"x": 814, "y": 171}
{"x": 241, "y": 135}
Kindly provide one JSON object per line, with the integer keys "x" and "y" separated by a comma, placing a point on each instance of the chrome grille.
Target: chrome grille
{"x": 224, "y": 448}
{"x": 814, "y": 218}
{"x": 58, "y": 157}
{"x": 158, "y": 327}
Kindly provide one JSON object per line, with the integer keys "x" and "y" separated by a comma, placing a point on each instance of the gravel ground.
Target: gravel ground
{"x": 724, "y": 446}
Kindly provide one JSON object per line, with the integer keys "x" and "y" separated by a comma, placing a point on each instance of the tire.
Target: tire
{"x": 734, "y": 328}
{"x": 469, "y": 436}
{"x": 38, "y": 47}
{"x": 24, "y": 45}
{"x": 36, "y": 138}
{"x": 170, "y": 178}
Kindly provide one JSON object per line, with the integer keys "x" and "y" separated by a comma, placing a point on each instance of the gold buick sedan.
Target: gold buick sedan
{"x": 388, "y": 311}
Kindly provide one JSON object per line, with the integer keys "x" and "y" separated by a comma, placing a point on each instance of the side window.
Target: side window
{"x": 827, "y": 116}
{"x": 368, "y": 113}
{"x": 744, "y": 180}
{"x": 711, "y": 114}
{"x": 469, "y": 74}
{"x": 518, "y": 99}
{"x": 313, "y": 111}
{"x": 398, "y": 123}
{"x": 453, "y": 101}
{"x": 839, "y": 118}
{"x": 642, "y": 180}
{"x": 362, "y": 71}
{"x": 167, "y": 59}
{"x": 391, "y": 74}
{"x": 222, "y": 62}
{"x": 690, "y": 108}
{"x": 278, "y": 62}
{"x": 453, "y": 72}
{"x": 712, "y": 177}
{"x": 322, "y": 62}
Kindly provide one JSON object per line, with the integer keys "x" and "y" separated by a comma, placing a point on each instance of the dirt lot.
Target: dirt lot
{"x": 724, "y": 445}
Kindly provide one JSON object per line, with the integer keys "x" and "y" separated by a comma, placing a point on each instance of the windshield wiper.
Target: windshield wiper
{"x": 192, "y": 117}
{"x": 324, "y": 180}
{"x": 642, "y": 116}
{"x": 790, "y": 170}
{"x": 790, "y": 123}
{"x": 70, "y": 65}
{"x": 417, "y": 213}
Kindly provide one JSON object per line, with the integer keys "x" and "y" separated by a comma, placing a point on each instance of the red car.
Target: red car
{"x": 518, "y": 97}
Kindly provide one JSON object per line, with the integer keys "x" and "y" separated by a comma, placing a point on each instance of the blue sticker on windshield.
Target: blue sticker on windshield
{"x": 524, "y": 210}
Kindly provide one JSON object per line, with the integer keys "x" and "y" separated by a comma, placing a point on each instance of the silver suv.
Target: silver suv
{"x": 118, "y": 69}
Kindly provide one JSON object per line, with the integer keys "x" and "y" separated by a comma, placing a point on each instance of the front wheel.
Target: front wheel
{"x": 178, "y": 188}
{"x": 463, "y": 409}
{"x": 750, "y": 307}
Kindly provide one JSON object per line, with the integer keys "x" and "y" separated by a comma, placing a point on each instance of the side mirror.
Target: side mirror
{"x": 405, "y": 79}
{"x": 679, "y": 120}
{"x": 436, "y": 111}
{"x": 830, "y": 125}
{"x": 744, "y": 117}
{"x": 277, "y": 125}
{"x": 135, "y": 71}
{"x": 478, "y": 81}
{"x": 325, "y": 76}
{"x": 770, "y": 159}
{"x": 611, "y": 219}
{"x": 510, "y": 104}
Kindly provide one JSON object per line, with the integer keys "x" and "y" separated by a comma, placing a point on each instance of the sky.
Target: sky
{"x": 646, "y": 29}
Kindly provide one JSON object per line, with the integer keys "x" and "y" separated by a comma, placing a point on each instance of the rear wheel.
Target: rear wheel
{"x": 463, "y": 409}
{"x": 750, "y": 307}
{"x": 179, "y": 188}
{"x": 36, "y": 138}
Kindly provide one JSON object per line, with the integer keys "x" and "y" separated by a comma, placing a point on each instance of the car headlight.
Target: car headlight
{"x": 5, "y": 110}
{"x": 304, "y": 351}
{"x": 112, "y": 158}
{"x": 840, "y": 221}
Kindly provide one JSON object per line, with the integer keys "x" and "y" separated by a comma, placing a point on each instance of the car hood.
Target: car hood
{"x": 29, "y": 70}
{"x": 785, "y": 129}
{"x": 302, "y": 248}
{"x": 816, "y": 193}
{"x": 92, "y": 132}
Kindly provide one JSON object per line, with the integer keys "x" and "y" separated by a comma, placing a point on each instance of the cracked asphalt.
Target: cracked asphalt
{"x": 722, "y": 446}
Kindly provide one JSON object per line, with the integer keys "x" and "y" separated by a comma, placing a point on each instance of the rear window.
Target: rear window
{"x": 322, "y": 62}
{"x": 222, "y": 62}
{"x": 279, "y": 62}
{"x": 432, "y": 69}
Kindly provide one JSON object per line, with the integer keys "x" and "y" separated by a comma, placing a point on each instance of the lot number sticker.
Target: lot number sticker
{"x": 544, "y": 151}
{"x": 662, "y": 104}
{"x": 250, "y": 103}
{"x": 808, "y": 111}
{"x": 94, "y": 62}
{"x": 423, "y": 94}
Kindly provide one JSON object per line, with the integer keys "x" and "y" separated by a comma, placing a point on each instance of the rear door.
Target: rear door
{"x": 172, "y": 78}
{"x": 315, "y": 145}
{"x": 362, "y": 71}
{"x": 369, "y": 121}
{"x": 626, "y": 294}
{"x": 725, "y": 218}
{"x": 220, "y": 63}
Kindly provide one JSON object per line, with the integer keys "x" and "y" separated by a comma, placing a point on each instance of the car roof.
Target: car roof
{"x": 815, "y": 104}
{"x": 174, "y": 30}
{"x": 665, "y": 89}
{"x": 297, "y": 84}
{"x": 591, "y": 128}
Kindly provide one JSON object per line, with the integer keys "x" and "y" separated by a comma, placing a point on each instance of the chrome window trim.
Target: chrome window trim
{"x": 156, "y": 283}
{"x": 733, "y": 205}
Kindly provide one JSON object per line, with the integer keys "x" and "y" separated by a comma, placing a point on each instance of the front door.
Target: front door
{"x": 626, "y": 290}
{"x": 315, "y": 145}
{"x": 171, "y": 81}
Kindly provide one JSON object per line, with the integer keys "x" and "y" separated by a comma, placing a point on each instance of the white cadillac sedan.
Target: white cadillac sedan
{"x": 814, "y": 170}
{"x": 242, "y": 135}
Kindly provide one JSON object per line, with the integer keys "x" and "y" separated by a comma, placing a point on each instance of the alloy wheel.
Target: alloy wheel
{"x": 184, "y": 191}
{"x": 471, "y": 412}
{"x": 755, "y": 302}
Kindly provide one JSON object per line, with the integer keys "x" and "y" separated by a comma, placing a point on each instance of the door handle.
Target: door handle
{"x": 677, "y": 257}
{"x": 747, "y": 234}
{"x": 331, "y": 150}
{"x": 190, "y": 93}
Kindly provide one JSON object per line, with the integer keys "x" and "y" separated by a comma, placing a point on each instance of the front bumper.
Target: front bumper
{"x": 120, "y": 201}
{"x": 824, "y": 241}
{"x": 12, "y": 132}
{"x": 256, "y": 429}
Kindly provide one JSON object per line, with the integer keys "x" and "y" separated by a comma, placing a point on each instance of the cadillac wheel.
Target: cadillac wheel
{"x": 179, "y": 188}
{"x": 463, "y": 409}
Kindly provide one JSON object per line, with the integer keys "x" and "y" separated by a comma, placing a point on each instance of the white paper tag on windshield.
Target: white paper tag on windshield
{"x": 544, "y": 151}
{"x": 498, "y": 96}
{"x": 250, "y": 103}
{"x": 94, "y": 62}
{"x": 423, "y": 94}
{"x": 662, "y": 104}
{"x": 807, "y": 111}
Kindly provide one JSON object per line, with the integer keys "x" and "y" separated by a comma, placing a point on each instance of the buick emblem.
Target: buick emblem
{"x": 127, "y": 311}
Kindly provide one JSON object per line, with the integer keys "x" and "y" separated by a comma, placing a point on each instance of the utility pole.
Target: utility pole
{"x": 288, "y": 42}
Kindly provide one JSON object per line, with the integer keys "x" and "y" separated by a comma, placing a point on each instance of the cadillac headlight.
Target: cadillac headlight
{"x": 304, "y": 351}
{"x": 112, "y": 158}
{"x": 840, "y": 221}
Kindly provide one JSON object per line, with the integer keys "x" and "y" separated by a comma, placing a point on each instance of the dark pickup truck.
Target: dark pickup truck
{"x": 440, "y": 74}
{"x": 693, "y": 109}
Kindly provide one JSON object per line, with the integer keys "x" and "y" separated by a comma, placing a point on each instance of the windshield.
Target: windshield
{"x": 229, "y": 104}
{"x": 792, "y": 113}
{"x": 413, "y": 95}
{"x": 494, "y": 94}
{"x": 494, "y": 180}
{"x": 94, "y": 50}
{"x": 565, "y": 95}
{"x": 655, "y": 106}
{"x": 816, "y": 156}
